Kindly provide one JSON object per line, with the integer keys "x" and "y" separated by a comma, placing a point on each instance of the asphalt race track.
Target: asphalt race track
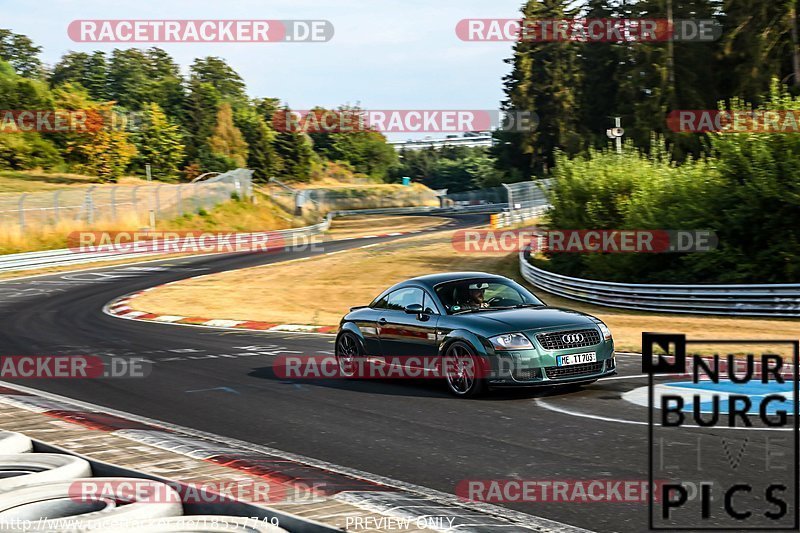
{"x": 220, "y": 381}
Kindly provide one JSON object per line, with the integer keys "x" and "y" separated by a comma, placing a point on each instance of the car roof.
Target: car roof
{"x": 431, "y": 280}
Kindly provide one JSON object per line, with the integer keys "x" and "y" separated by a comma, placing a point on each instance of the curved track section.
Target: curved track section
{"x": 409, "y": 431}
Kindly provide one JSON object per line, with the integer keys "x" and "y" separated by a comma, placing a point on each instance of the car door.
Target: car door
{"x": 403, "y": 334}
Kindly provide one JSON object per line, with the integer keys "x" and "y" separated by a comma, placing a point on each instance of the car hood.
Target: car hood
{"x": 516, "y": 320}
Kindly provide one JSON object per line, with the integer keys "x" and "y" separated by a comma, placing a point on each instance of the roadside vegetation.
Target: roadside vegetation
{"x": 747, "y": 191}
{"x": 150, "y": 113}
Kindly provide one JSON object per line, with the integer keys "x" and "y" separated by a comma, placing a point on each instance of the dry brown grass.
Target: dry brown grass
{"x": 357, "y": 226}
{"x": 303, "y": 292}
{"x": 13, "y": 182}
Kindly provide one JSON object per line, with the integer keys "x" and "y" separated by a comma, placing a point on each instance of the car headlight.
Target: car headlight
{"x": 511, "y": 341}
{"x": 605, "y": 331}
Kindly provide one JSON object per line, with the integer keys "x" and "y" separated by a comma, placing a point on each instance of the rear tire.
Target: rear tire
{"x": 462, "y": 369}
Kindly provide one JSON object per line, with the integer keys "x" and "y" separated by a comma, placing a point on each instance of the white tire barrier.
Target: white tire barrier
{"x": 204, "y": 524}
{"x": 12, "y": 442}
{"x": 17, "y": 470}
{"x": 89, "y": 504}
{"x": 56, "y": 492}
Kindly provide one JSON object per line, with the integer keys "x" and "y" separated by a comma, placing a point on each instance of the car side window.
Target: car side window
{"x": 381, "y": 304}
{"x": 402, "y": 298}
{"x": 429, "y": 306}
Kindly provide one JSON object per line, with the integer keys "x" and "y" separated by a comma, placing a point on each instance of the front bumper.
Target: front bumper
{"x": 552, "y": 376}
{"x": 537, "y": 367}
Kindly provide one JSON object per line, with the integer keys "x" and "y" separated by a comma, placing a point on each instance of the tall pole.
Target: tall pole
{"x": 671, "y": 55}
{"x": 795, "y": 47}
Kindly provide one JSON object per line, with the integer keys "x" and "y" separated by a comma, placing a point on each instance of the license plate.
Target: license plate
{"x": 576, "y": 359}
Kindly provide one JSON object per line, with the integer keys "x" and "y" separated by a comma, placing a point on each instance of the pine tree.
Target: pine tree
{"x": 543, "y": 80}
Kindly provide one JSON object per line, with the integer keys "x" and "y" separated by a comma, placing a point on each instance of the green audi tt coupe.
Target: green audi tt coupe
{"x": 480, "y": 330}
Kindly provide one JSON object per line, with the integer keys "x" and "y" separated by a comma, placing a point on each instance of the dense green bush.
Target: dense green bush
{"x": 748, "y": 192}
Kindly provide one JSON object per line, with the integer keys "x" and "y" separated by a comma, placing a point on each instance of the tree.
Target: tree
{"x": 215, "y": 71}
{"x": 21, "y": 53}
{"x": 100, "y": 149}
{"x": 260, "y": 138}
{"x": 366, "y": 151}
{"x": 129, "y": 78}
{"x": 159, "y": 143}
{"x": 543, "y": 80}
{"x": 295, "y": 154}
{"x": 200, "y": 116}
{"x": 89, "y": 71}
{"x": 227, "y": 140}
{"x": 756, "y": 46}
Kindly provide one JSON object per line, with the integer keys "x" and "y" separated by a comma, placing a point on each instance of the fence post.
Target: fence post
{"x": 89, "y": 205}
{"x": 510, "y": 197}
{"x": 21, "y": 208}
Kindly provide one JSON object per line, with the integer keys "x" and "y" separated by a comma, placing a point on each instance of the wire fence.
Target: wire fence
{"x": 313, "y": 203}
{"x": 141, "y": 204}
{"x": 492, "y": 195}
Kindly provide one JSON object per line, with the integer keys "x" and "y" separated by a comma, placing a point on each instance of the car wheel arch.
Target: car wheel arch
{"x": 465, "y": 336}
{"x": 350, "y": 327}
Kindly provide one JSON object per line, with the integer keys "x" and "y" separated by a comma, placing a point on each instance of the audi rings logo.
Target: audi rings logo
{"x": 572, "y": 338}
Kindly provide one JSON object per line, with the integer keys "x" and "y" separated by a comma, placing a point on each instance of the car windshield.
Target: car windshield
{"x": 470, "y": 295}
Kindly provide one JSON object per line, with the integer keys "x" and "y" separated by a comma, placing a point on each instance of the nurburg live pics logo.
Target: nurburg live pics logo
{"x": 723, "y": 431}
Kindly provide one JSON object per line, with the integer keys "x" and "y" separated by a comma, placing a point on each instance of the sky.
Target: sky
{"x": 385, "y": 54}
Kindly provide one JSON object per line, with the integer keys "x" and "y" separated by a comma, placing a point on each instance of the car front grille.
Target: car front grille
{"x": 558, "y": 372}
{"x": 525, "y": 374}
{"x": 564, "y": 340}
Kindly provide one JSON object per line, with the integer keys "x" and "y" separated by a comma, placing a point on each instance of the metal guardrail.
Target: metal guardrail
{"x": 769, "y": 300}
{"x": 66, "y": 257}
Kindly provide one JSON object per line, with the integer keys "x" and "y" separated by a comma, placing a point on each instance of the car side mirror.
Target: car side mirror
{"x": 414, "y": 309}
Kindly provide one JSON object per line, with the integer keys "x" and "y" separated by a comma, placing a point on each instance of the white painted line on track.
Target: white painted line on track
{"x": 572, "y": 412}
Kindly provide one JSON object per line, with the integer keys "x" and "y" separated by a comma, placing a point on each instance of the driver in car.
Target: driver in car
{"x": 477, "y": 294}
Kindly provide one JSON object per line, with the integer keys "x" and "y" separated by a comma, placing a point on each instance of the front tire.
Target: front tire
{"x": 348, "y": 352}
{"x": 462, "y": 370}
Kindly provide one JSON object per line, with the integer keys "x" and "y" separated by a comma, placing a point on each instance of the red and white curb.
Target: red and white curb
{"x": 121, "y": 308}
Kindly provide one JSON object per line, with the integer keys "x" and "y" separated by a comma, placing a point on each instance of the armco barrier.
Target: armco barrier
{"x": 773, "y": 300}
